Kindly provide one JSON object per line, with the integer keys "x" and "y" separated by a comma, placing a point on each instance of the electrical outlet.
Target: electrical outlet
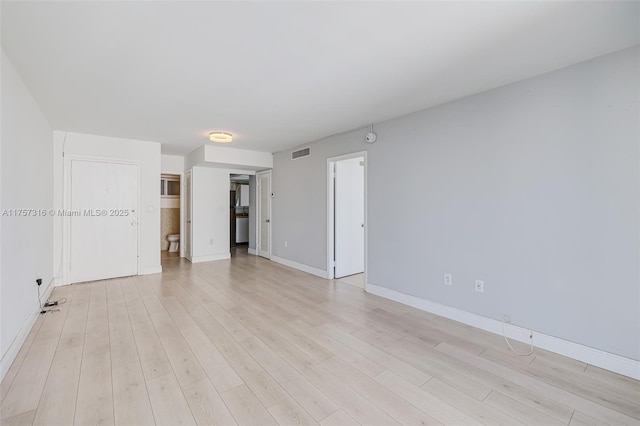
{"x": 447, "y": 279}
{"x": 286, "y": 244}
{"x": 480, "y": 286}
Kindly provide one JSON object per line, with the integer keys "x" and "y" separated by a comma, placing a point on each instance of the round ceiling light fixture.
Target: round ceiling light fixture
{"x": 221, "y": 137}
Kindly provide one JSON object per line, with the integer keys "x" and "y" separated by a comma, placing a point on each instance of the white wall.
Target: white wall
{"x": 532, "y": 187}
{"x": 148, "y": 155}
{"x": 210, "y": 214}
{"x": 194, "y": 158}
{"x": 230, "y": 158}
{"x": 173, "y": 164}
{"x": 25, "y": 182}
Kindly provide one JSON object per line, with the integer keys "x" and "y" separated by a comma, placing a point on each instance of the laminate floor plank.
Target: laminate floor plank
{"x": 246, "y": 408}
{"x": 289, "y": 412}
{"x": 58, "y": 401}
{"x": 29, "y": 382}
{"x": 249, "y": 341}
{"x": 361, "y": 409}
{"x": 354, "y": 358}
{"x": 17, "y": 362}
{"x": 216, "y": 367}
{"x": 430, "y": 404}
{"x": 401, "y": 368}
{"x": 131, "y": 405}
{"x": 168, "y": 402}
{"x": 402, "y": 411}
{"x": 457, "y": 379}
{"x": 518, "y": 410}
{"x": 470, "y": 406}
{"x": 206, "y": 405}
{"x": 339, "y": 418}
{"x": 95, "y": 391}
{"x": 602, "y": 413}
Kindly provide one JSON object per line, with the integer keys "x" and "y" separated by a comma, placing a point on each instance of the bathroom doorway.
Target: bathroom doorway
{"x": 169, "y": 216}
{"x": 239, "y": 206}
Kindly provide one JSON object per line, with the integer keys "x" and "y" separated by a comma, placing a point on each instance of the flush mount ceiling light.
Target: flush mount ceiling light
{"x": 222, "y": 137}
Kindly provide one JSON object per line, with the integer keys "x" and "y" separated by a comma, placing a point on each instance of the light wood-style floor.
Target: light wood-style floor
{"x": 249, "y": 341}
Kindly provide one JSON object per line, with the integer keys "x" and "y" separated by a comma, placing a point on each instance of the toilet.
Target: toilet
{"x": 174, "y": 242}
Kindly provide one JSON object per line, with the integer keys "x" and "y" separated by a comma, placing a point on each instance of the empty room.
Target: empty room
{"x": 320, "y": 212}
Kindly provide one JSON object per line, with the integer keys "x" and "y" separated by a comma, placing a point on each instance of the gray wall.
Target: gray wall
{"x": 533, "y": 187}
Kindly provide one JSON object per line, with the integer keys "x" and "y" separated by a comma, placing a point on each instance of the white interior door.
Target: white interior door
{"x": 187, "y": 215}
{"x": 264, "y": 214}
{"x": 349, "y": 217}
{"x": 103, "y": 230}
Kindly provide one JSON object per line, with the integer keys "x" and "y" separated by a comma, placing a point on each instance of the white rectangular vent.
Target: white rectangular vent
{"x": 301, "y": 153}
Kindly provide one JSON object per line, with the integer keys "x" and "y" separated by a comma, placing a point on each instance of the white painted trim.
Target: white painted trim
{"x": 188, "y": 175}
{"x": 151, "y": 270}
{"x": 11, "y": 353}
{"x": 252, "y": 251}
{"x": 209, "y": 258}
{"x": 300, "y": 266}
{"x": 258, "y": 209}
{"x": 599, "y": 358}
{"x": 331, "y": 164}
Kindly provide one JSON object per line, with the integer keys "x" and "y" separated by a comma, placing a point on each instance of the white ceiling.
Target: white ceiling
{"x": 279, "y": 74}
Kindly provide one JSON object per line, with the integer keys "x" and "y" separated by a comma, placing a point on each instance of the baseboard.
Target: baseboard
{"x": 252, "y": 251}
{"x": 599, "y": 358}
{"x": 300, "y": 266}
{"x": 199, "y": 259}
{"x": 151, "y": 270}
{"x": 14, "y": 348}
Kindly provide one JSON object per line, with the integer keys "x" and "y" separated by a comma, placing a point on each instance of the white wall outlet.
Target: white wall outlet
{"x": 286, "y": 244}
{"x": 447, "y": 279}
{"x": 480, "y": 286}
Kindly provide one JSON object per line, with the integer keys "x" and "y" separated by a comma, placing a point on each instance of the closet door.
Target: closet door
{"x": 103, "y": 239}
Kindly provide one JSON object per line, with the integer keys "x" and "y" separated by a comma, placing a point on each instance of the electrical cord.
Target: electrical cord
{"x": 42, "y": 311}
{"x": 509, "y": 343}
{"x": 49, "y": 303}
{"x": 55, "y": 302}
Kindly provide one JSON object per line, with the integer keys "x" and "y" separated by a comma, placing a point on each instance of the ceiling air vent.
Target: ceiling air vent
{"x": 301, "y": 153}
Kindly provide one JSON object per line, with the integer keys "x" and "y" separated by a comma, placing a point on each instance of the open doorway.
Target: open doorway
{"x": 169, "y": 216}
{"x": 346, "y": 218}
{"x": 239, "y": 213}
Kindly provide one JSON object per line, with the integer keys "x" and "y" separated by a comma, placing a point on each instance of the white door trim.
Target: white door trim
{"x": 258, "y": 209}
{"x": 331, "y": 162}
{"x": 187, "y": 218}
{"x": 66, "y": 205}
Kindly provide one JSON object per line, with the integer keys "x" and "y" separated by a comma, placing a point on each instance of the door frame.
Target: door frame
{"x": 187, "y": 216}
{"x": 331, "y": 248}
{"x": 66, "y": 205}
{"x": 258, "y": 210}
{"x": 182, "y": 204}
